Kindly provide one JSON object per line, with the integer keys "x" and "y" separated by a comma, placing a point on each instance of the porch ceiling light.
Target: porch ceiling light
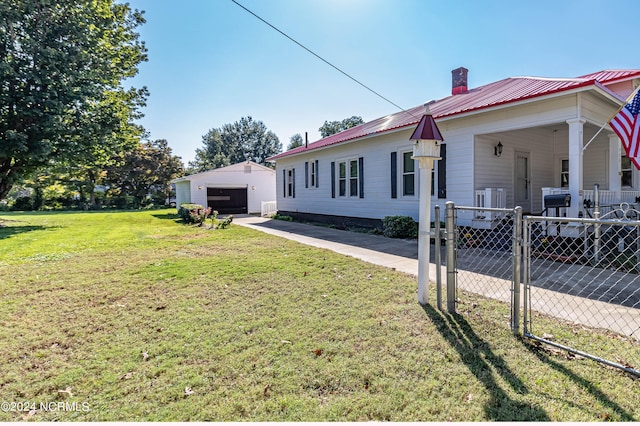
{"x": 497, "y": 150}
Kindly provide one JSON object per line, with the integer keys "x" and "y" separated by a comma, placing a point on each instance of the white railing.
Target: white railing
{"x": 490, "y": 198}
{"x": 608, "y": 199}
{"x": 268, "y": 208}
{"x": 613, "y": 197}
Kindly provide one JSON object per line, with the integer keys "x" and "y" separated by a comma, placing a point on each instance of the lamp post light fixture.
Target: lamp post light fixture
{"x": 426, "y": 150}
{"x": 497, "y": 150}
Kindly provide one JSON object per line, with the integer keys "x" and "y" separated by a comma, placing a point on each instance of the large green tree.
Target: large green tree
{"x": 244, "y": 140}
{"x": 62, "y": 64}
{"x": 212, "y": 155}
{"x": 332, "y": 127}
{"x": 148, "y": 167}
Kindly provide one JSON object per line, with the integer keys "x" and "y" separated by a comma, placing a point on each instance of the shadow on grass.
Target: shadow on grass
{"x": 580, "y": 381}
{"x": 168, "y": 216}
{"x": 477, "y": 355}
{"x": 8, "y": 231}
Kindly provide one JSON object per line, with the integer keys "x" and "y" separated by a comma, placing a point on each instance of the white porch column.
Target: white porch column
{"x": 615, "y": 182}
{"x": 575, "y": 164}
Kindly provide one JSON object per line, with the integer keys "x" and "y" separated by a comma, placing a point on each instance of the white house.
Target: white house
{"x": 506, "y": 144}
{"x": 239, "y": 188}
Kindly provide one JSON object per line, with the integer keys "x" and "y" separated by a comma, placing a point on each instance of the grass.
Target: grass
{"x": 133, "y": 316}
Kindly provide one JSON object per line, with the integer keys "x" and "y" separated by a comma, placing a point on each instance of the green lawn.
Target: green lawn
{"x": 134, "y": 316}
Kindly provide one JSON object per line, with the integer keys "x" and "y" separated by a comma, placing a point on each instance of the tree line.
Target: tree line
{"x": 250, "y": 140}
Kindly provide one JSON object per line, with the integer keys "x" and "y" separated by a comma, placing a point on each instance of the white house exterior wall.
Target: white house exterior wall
{"x": 183, "y": 193}
{"x": 377, "y": 201}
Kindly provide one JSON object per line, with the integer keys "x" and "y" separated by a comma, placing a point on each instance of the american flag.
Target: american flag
{"x": 627, "y": 126}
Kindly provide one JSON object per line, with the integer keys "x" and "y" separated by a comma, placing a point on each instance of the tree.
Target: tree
{"x": 212, "y": 155}
{"x": 149, "y": 166}
{"x": 61, "y": 68}
{"x": 332, "y": 127}
{"x": 295, "y": 141}
{"x": 244, "y": 140}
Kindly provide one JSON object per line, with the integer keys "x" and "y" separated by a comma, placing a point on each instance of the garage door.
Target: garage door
{"x": 227, "y": 200}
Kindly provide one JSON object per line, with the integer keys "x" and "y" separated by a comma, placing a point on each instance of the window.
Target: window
{"x": 289, "y": 182}
{"x": 313, "y": 173}
{"x": 408, "y": 174}
{"x": 353, "y": 178}
{"x": 626, "y": 174}
{"x": 564, "y": 173}
{"x": 349, "y": 178}
{"x": 342, "y": 179}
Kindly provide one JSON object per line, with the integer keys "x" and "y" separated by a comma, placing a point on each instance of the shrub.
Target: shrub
{"x": 282, "y": 217}
{"x": 224, "y": 223}
{"x": 24, "y": 203}
{"x": 399, "y": 227}
{"x": 193, "y": 213}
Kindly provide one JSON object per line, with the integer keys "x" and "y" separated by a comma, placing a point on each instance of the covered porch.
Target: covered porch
{"x": 525, "y": 165}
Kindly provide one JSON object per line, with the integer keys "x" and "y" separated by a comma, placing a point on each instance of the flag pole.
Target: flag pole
{"x": 609, "y": 121}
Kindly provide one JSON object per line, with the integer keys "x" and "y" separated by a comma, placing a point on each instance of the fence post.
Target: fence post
{"x": 517, "y": 259}
{"x": 451, "y": 256}
{"x": 526, "y": 273}
{"x": 438, "y": 256}
{"x": 596, "y": 226}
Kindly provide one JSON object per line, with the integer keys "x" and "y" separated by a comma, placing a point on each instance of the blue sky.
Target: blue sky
{"x": 211, "y": 62}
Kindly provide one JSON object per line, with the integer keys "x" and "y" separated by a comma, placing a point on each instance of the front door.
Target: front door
{"x": 522, "y": 195}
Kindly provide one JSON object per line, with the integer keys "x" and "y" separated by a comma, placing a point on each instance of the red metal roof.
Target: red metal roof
{"x": 501, "y": 92}
{"x": 610, "y": 76}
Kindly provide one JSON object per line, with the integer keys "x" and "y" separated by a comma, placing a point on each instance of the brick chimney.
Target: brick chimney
{"x": 459, "y": 81}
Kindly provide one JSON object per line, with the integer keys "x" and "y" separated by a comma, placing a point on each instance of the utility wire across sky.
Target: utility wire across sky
{"x": 321, "y": 58}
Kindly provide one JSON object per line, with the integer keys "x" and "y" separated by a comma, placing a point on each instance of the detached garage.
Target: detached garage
{"x": 236, "y": 189}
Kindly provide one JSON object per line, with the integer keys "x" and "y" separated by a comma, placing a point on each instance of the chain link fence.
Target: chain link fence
{"x": 587, "y": 273}
{"x": 480, "y": 242}
{"x": 581, "y": 273}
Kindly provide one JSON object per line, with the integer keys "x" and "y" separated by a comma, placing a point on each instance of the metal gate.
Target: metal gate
{"x": 575, "y": 274}
{"x": 585, "y": 272}
{"x": 483, "y": 259}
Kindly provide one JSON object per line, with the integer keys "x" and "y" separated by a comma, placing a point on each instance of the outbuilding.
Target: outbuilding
{"x": 235, "y": 189}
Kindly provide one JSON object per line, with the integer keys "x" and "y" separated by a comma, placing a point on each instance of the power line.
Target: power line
{"x": 320, "y": 57}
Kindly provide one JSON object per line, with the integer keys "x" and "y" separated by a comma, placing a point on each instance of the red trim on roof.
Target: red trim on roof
{"x": 509, "y": 90}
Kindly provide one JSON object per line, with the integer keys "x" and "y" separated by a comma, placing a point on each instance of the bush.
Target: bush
{"x": 193, "y": 213}
{"x": 24, "y": 203}
{"x": 399, "y": 227}
{"x": 224, "y": 223}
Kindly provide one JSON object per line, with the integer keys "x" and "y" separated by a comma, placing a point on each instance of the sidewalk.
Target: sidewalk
{"x": 401, "y": 255}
